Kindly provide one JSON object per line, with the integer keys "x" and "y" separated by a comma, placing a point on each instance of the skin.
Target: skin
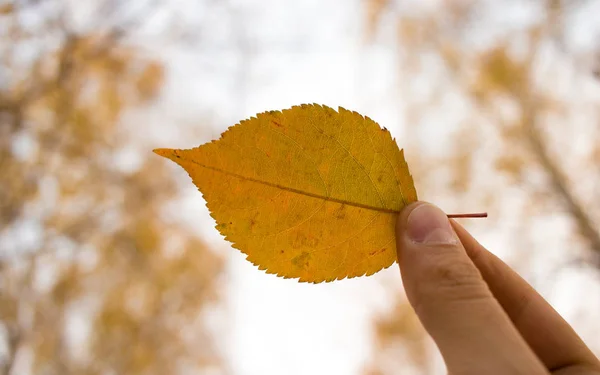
{"x": 484, "y": 318}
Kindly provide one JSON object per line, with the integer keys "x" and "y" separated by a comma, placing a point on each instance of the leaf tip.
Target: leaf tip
{"x": 168, "y": 153}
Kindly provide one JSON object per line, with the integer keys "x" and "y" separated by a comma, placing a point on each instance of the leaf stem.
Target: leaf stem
{"x": 465, "y": 216}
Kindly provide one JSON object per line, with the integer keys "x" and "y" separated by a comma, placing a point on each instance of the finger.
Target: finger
{"x": 547, "y": 333}
{"x": 450, "y": 297}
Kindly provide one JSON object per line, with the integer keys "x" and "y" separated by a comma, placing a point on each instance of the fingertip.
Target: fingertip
{"x": 401, "y": 223}
{"x": 405, "y": 212}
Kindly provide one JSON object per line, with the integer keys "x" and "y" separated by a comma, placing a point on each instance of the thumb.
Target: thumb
{"x": 452, "y": 300}
{"x": 434, "y": 264}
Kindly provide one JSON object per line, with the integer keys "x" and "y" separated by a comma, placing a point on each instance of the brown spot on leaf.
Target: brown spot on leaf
{"x": 308, "y": 240}
{"x": 302, "y": 260}
{"x": 340, "y": 213}
{"x": 377, "y": 251}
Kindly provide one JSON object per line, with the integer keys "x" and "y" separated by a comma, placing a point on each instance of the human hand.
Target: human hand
{"x": 484, "y": 318}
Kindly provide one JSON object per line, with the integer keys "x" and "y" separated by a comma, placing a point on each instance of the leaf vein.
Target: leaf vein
{"x": 293, "y": 190}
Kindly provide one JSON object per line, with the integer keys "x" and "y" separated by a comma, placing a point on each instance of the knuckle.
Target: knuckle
{"x": 447, "y": 266}
{"x": 449, "y": 279}
{"x": 451, "y": 273}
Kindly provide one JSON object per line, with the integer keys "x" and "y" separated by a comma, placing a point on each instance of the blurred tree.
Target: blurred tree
{"x": 95, "y": 279}
{"x": 514, "y": 107}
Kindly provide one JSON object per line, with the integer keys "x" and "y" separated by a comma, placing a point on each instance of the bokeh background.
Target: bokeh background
{"x": 109, "y": 261}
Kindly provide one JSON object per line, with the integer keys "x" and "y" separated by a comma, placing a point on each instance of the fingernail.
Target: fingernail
{"x": 427, "y": 224}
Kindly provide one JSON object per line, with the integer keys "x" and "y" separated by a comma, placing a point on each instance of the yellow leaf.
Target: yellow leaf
{"x": 307, "y": 193}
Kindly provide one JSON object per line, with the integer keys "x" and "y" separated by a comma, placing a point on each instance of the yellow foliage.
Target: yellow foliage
{"x": 306, "y": 193}
{"x": 500, "y": 73}
{"x": 6, "y": 8}
{"x": 400, "y": 337}
{"x": 374, "y": 8}
{"x": 149, "y": 80}
{"x": 101, "y": 256}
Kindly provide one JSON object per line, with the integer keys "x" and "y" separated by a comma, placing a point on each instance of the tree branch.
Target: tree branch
{"x": 558, "y": 184}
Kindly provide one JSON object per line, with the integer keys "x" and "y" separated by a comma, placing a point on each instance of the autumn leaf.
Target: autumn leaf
{"x": 307, "y": 192}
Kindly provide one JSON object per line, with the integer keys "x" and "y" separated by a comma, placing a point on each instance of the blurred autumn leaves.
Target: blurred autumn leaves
{"x": 515, "y": 106}
{"x": 94, "y": 278}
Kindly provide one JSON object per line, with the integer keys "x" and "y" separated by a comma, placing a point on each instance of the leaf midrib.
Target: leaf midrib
{"x": 297, "y": 191}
